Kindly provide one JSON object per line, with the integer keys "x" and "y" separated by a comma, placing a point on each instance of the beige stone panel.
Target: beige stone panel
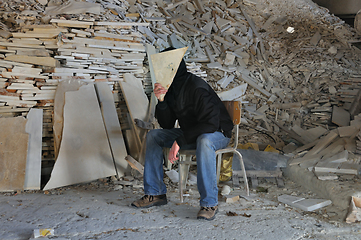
{"x": 13, "y": 152}
{"x": 84, "y": 154}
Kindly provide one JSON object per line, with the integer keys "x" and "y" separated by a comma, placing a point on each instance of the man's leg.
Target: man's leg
{"x": 207, "y": 145}
{"x": 154, "y": 186}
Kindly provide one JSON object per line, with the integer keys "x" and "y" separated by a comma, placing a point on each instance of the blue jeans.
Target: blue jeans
{"x": 206, "y": 146}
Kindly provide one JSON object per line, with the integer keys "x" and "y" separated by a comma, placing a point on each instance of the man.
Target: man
{"x": 205, "y": 125}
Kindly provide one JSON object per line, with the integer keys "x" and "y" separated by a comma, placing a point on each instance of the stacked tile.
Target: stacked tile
{"x": 48, "y": 141}
{"x": 96, "y": 54}
{"x": 27, "y": 57}
{"x": 349, "y": 88}
{"x": 20, "y": 92}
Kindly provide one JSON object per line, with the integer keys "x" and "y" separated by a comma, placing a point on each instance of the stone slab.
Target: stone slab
{"x": 13, "y": 152}
{"x": 302, "y": 203}
{"x": 112, "y": 126}
{"x": 34, "y": 127}
{"x": 84, "y": 153}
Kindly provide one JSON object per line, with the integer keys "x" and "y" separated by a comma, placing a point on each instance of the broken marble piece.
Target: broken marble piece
{"x": 354, "y": 211}
{"x": 235, "y": 94}
{"x": 340, "y": 116}
{"x": 303, "y": 203}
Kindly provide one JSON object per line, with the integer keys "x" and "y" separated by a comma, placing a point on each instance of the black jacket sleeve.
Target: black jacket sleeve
{"x": 165, "y": 116}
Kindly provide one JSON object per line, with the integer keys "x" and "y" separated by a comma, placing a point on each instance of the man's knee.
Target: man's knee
{"x": 156, "y": 136}
{"x": 203, "y": 141}
{"x": 152, "y": 133}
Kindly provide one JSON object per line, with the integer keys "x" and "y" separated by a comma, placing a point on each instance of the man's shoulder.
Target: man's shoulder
{"x": 197, "y": 82}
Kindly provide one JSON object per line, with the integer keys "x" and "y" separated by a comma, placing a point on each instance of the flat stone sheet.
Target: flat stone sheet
{"x": 34, "y": 127}
{"x": 304, "y": 204}
{"x": 59, "y": 101}
{"x": 259, "y": 160}
{"x": 13, "y": 152}
{"x": 137, "y": 103}
{"x": 84, "y": 153}
{"x": 112, "y": 127}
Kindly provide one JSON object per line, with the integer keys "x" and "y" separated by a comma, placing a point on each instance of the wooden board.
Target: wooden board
{"x": 234, "y": 110}
{"x": 135, "y": 164}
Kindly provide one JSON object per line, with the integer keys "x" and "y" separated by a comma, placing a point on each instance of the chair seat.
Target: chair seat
{"x": 187, "y": 152}
{"x": 226, "y": 150}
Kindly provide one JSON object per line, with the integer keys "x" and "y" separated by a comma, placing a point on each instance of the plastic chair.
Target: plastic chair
{"x": 185, "y": 156}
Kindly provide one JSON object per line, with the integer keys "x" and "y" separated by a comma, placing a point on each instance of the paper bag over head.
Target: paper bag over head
{"x": 165, "y": 65}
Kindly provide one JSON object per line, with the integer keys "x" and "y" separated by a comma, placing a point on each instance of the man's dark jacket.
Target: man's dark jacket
{"x": 196, "y": 106}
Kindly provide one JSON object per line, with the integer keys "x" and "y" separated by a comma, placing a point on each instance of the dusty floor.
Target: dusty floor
{"x": 101, "y": 210}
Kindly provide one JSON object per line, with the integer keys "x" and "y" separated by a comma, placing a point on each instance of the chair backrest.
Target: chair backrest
{"x": 234, "y": 110}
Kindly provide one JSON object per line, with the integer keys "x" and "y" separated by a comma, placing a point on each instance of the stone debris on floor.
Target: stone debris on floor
{"x": 294, "y": 66}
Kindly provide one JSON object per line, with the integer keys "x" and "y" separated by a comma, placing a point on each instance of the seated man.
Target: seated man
{"x": 205, "y": 125}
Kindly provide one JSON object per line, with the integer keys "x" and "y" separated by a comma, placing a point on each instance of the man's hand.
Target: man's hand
{"x": 172, "y": 157}
{"x": 159, "y": 91}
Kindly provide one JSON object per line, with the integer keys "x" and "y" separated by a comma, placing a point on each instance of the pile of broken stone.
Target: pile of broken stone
{"x": 296, "y": 71}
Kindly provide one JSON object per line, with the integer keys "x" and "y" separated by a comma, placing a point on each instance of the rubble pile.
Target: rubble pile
{"x": 292, "y": 64}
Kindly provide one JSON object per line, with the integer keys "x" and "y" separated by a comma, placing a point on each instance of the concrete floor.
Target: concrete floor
{"x": 101, "y": 210}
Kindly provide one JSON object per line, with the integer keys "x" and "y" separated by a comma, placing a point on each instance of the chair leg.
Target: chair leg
{"x": 183, "y": 169}
{"x": 167, "y": 163}
{"x": 235, "y": 179}
{"x": 243, "y": 171}
{"x": 219, "y": 162}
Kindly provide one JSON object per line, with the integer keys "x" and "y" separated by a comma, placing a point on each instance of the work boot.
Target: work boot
{"x": 150, "y": 200}
{"x": 207, "y": 213}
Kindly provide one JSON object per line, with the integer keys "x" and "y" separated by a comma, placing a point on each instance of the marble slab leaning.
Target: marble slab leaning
{"x": 84, "y": 153}
{"x": 112, "y": 126}
{"x": 13, "y": 152}
{"x": 34, "y": 127}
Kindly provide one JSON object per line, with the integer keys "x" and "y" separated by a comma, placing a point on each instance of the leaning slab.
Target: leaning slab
{"x": 84, "y": 153}
{"x": 112, "y": 126}
{"x": 13, "y": 151}
{"x": 34, "y": 127}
